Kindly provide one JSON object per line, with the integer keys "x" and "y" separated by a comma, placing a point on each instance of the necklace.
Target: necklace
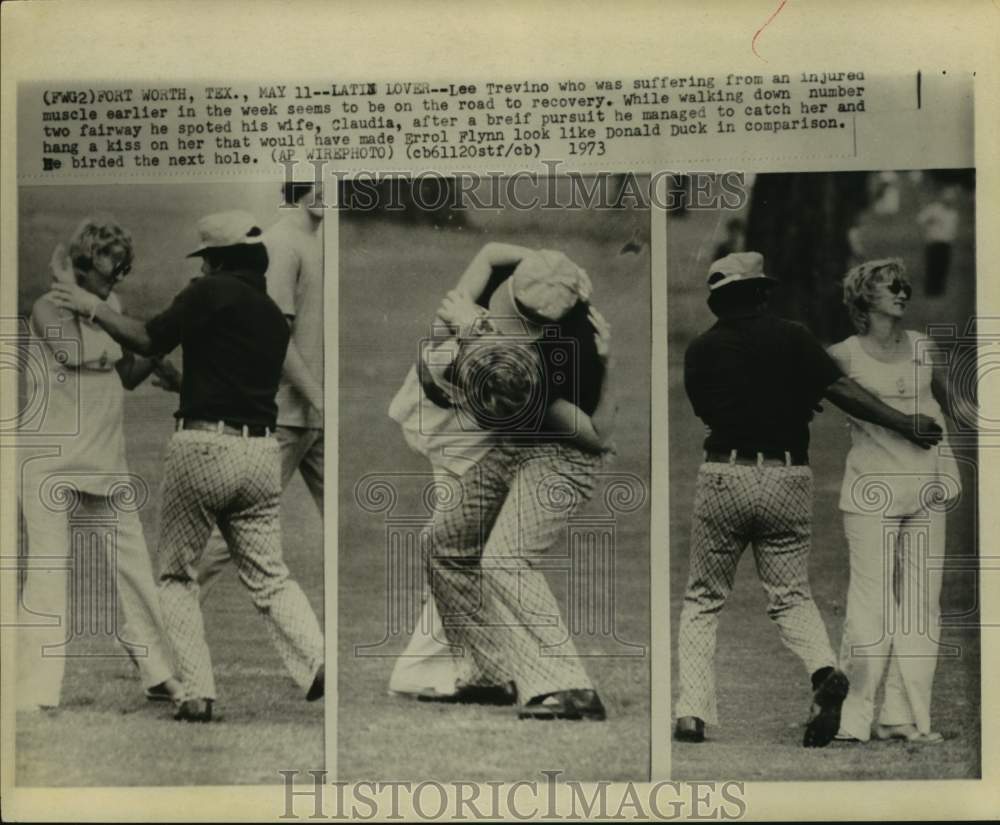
{"x": 896, "y": 340}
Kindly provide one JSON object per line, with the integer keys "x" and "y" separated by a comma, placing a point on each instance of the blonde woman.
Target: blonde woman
{"x": 894, "y": 497}
{"x": 85, "y": 371}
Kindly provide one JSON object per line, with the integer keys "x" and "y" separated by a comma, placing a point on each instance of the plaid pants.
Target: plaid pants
{"x": 235, "y": 482}
{"x": 302, "y": 450}
{"x": 769, "y": 507}
{"x": 515, "y": 504}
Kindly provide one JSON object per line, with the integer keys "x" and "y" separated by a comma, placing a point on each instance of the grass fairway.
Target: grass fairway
{"x": 392, "y": 279}
{"x": 763, "y": 690}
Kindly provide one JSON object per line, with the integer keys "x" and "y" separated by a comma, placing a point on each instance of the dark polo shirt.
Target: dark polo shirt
{"x": 573, "y": 370}
{"x": 755, "y": 382}
{"x": 234, "y": 339}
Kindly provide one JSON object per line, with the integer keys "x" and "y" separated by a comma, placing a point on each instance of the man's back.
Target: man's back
{"x": 754, "y": 380}
{"x": 234, "y": 339}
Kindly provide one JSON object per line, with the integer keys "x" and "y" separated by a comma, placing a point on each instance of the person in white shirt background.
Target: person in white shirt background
{"x": 939, "y": 223}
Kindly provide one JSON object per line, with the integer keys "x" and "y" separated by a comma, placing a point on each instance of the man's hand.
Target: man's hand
{"x": 75, "y": 298}
{"x": 458, "y": 310}
{"x": 924, "y": 431}
{"x": 166, "y": 376}
{"x": 855, "y": 400}
{"x": 602, "y": 335}
{"x": 62, "y": 266}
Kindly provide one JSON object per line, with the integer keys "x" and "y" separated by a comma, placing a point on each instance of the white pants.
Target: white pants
{"x": 429, "y": 662}
{"x": 45, "y": 625}
{"x": 893, "y": 617}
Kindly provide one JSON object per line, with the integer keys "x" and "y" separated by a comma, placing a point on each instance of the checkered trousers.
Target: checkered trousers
{"x": 769, "y": 507}
{"x": 235, "y": 482}
{"x": 515, "y": 505}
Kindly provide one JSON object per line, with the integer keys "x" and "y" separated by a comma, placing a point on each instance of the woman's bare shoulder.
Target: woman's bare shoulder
{"x": 841, "y": 351}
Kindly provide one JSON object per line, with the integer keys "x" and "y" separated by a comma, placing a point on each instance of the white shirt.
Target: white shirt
{"x": 885, "y": 473}
{"x": 82, "y": 414}
{"x": 939, "y": 222}
{"x": 295, "y": 283}
{"x": 451, "y": 441}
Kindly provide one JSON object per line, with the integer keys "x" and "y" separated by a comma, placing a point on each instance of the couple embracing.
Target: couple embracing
{"x": 511, "y": 402}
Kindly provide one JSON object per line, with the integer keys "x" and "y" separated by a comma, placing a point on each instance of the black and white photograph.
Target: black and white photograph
{"x": 823, "y": 431}
{"x": 655, "y": 345}
{"x": 170, "y": 483}
{"x": 494, "y": 467}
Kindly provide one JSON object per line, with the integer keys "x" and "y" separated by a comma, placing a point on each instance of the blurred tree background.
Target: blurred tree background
{"x": 807, "y": 226}
{"x": 800, "y": 223}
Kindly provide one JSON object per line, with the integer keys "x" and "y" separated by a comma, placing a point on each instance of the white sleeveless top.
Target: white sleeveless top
{"x": 885, "y": 473}
{"x": 82, "y": 414}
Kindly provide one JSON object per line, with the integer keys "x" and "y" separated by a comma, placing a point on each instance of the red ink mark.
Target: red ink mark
{"x": 753, "y": 43}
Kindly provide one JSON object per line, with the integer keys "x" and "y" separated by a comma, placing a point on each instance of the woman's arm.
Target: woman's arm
{"x": 564, "y": 418}
{"x": 477, "y": 274}
{"x": 606, "y": 412}
{"x": 433, "y": 361}
{"x": 590, "y": 432}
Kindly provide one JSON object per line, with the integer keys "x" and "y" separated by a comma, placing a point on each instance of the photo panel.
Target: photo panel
{"x": 494, "y": 480}
{"x": 823, "y": 442}
{"x": 170, "y": 481}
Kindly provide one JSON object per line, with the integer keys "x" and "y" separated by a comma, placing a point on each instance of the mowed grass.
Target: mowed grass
{"x": 106, "y": 733}
{"x": 392, "y": 278}
{"x": 763, "y": 690}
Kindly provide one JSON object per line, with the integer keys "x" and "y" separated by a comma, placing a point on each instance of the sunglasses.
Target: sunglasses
{"x": 117, "y": 273}
{"x": 896, "y": 286}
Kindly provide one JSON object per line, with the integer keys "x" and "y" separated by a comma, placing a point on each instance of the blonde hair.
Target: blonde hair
{"x": 861, "y": 282}
{"x": 98, "y": 237}
{"x": 500, "y": 382}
